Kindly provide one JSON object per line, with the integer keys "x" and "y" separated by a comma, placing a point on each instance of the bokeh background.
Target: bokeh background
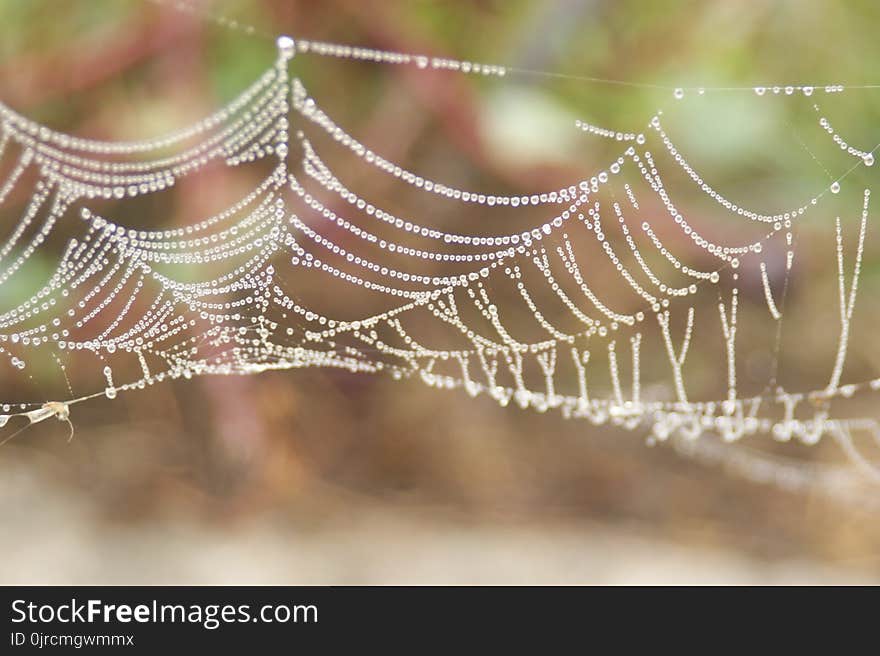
{"x": 327, "y": 477}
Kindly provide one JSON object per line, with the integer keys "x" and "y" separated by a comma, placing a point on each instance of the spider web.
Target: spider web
{"x": 594, "y": 311}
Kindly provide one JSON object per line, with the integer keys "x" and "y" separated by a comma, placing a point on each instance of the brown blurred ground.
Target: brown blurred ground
{"x": 382, "y": 494}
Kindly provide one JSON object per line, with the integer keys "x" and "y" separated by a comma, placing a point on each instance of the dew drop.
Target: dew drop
{"x": 760, "y": 91}
{"x": 286, "y": 46}
{"x": 868, "y": 159}
{"x": 678, "y": 93}
{"x": 835, "y": 187}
